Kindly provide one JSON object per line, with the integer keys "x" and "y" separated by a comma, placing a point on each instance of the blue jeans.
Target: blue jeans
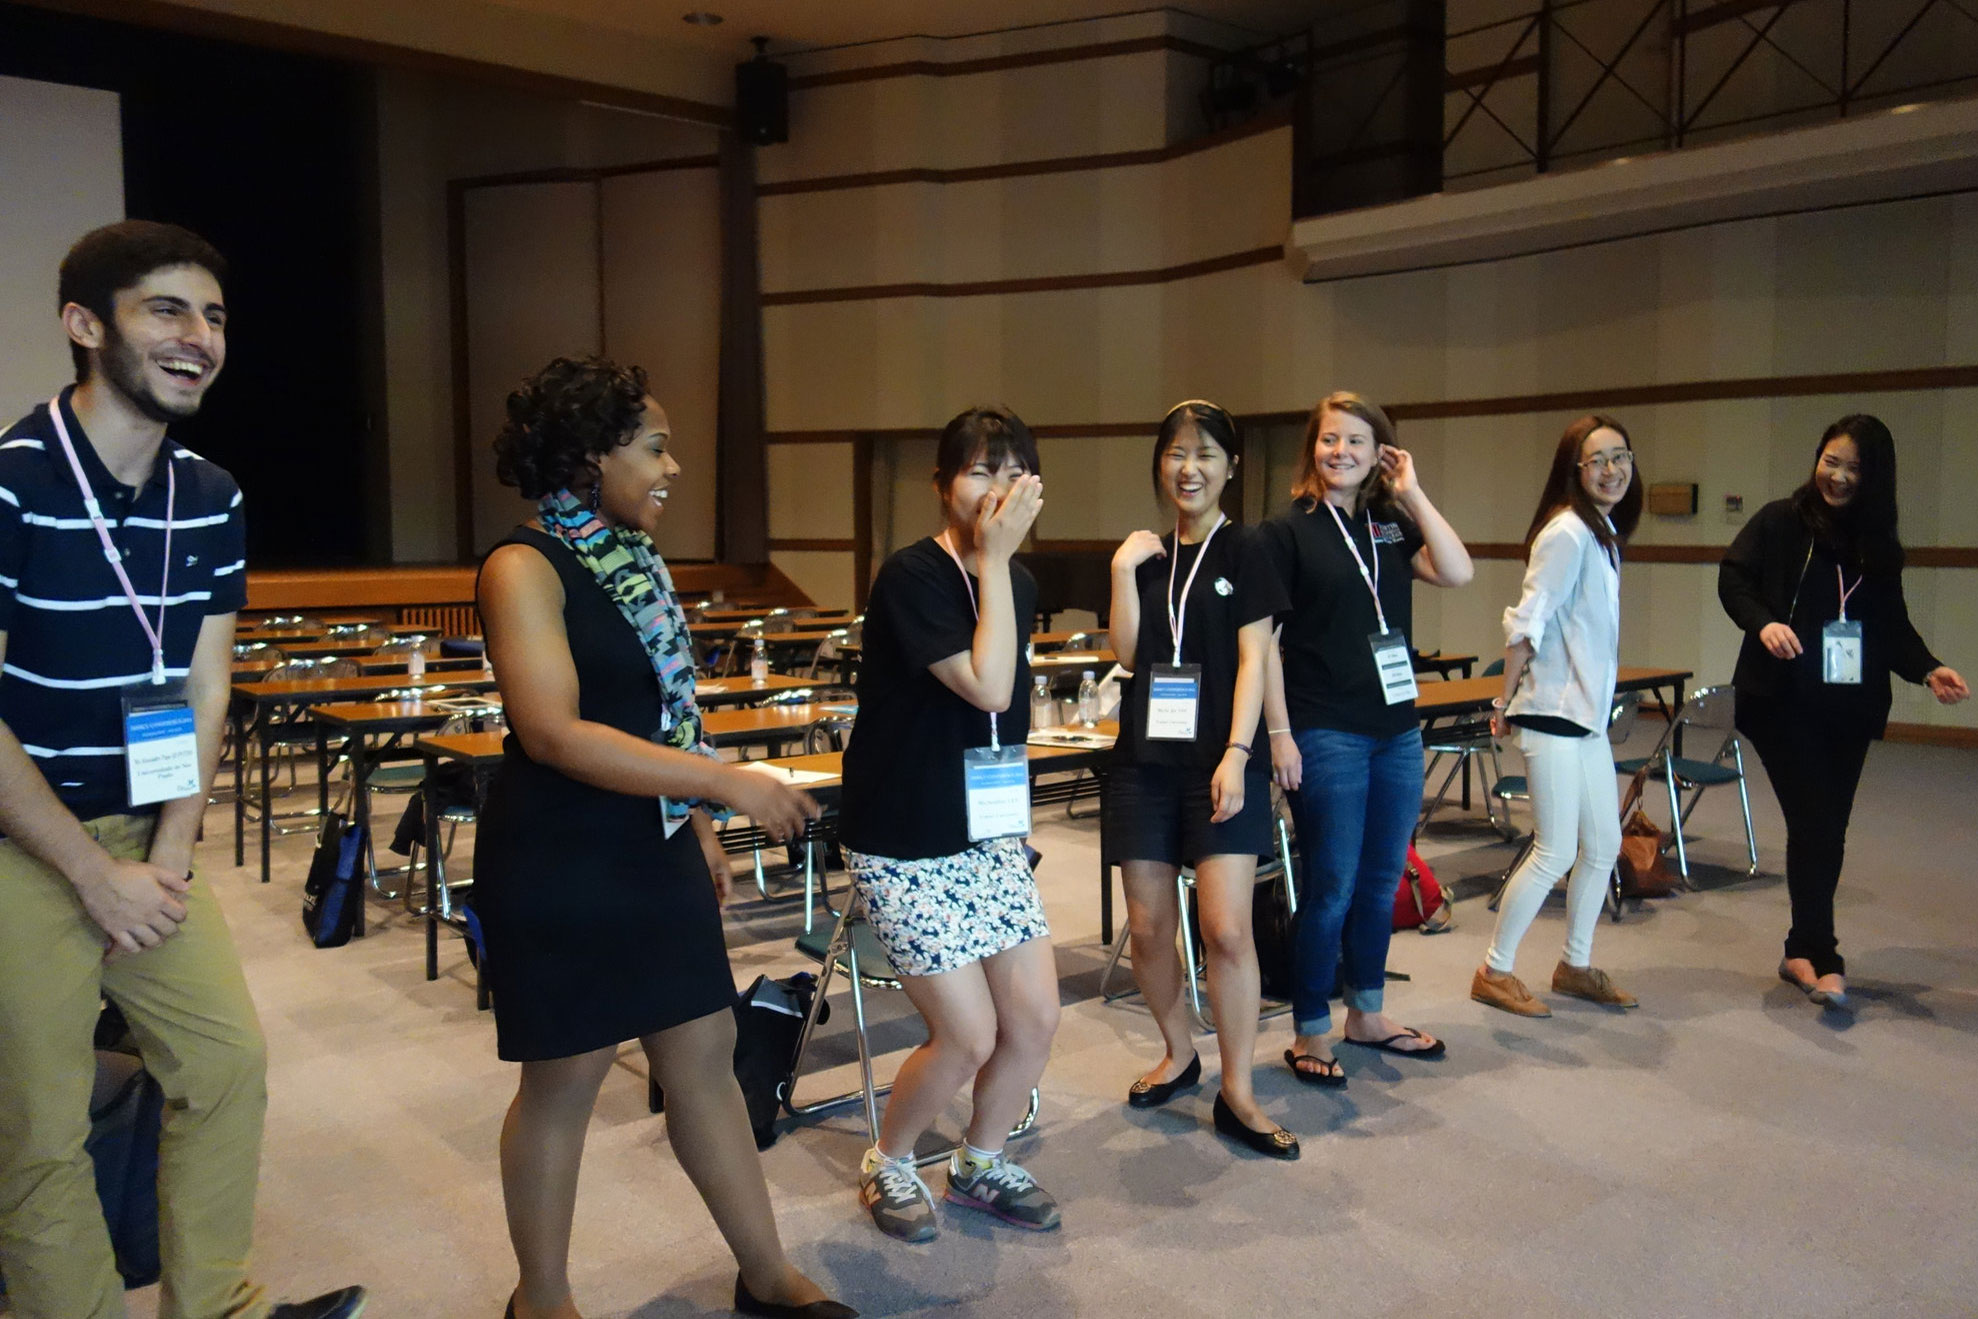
{"x": 1354, "y": 810}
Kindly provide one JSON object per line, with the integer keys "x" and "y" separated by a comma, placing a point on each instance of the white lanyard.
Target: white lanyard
{"x": 155, "y": 635}
{"x": 995, "y": 739}
{"x": 1841, "y": 585}
{"x": 1177, "y": 617}
{"x": 1372, "y": 579}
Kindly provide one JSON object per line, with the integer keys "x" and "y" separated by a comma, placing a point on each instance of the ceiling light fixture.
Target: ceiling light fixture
{"x": 701, "y": 18}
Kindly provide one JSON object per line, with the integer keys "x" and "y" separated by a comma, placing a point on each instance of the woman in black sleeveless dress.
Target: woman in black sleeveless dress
{"x": 599, "y": 879}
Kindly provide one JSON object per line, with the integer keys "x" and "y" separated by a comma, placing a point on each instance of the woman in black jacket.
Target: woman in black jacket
{"x": 1815, "y": 582}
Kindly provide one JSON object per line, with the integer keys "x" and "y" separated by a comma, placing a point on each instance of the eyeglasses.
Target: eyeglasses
{"x": 1620, "y": 460}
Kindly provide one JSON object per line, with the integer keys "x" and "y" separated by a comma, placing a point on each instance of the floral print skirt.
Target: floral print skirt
{"x": 945, "y": 912}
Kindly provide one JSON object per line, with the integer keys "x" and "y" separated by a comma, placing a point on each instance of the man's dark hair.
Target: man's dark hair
{"x": 104, "y": 262}
{"x": 563, "y": 419}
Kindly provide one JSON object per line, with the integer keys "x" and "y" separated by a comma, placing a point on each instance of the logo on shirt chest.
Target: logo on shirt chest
{"x": 1388, "y": 533}
{"x": 1223, "y": 586}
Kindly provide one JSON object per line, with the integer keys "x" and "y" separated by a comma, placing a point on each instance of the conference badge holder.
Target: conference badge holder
{"x": 1840, "y": 652}
{"x": 1174, "y": 700}
{"x": 161, "y": 743}
{"x": 996, "y": 780}
{"x": 1395, "y": 665}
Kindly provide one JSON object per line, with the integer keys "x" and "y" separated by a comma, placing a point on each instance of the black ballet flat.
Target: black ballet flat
{"x": 745, "y": 1303}
{"x": 1152, "y": 1094}
{"x": 1278, "y": 1144}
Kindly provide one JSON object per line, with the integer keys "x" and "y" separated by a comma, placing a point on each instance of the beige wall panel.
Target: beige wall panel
{"x": 1718, "y": 307}
{"x": 1495, "y": 328}
{"x": 1051, "y": 354}
{"x": 1388, "y": 337}
{"x": 1726, "y": 448}
{"x": 911, "y": 509}
{"x": 1607, "y": 338}
{"x": 532, "y": 294}
{"x": 820, "y": 362}
{"x": 810, "y": 491}
{"x": 1130, "y": 384}
{"x": 824, "y": 576}
{"x": 1863, "y": 289}
{"x": 912, "y": 376}
{"x": 1956, "y": 475}
{"x": 662, "y": 310}
{"x": 968, "y": 333}
{"x": 1097, "y": 488}
{"x": 816, "y": 240}
{"x": 1233, "y": 198}
{"x": 1942, "y": 605}
{"x": 1961, "y": 312}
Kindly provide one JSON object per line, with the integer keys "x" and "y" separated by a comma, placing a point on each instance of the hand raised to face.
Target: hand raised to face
{"x": 1001, "y": 527}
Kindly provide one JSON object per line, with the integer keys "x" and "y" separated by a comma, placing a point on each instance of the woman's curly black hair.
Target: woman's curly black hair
{"x": 563, "y": 419}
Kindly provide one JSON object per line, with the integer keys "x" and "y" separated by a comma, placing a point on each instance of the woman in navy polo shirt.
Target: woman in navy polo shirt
{"x": 1360, "y": 532}
{"x": 1190, "y": 783}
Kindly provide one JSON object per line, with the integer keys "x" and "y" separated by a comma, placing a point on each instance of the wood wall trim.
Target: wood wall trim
{"x": 827, "y": 544}
{"x": 361, "y": 50}
{"x": 1695, "y": 391}
{"x": 324, "y": 588}
{"x": 1936, "y": 735}
{"x": 587, "y": 174}
{"x": 1038, "y": 284}
{"x": 1023, "y": 168}
{"x": 998, "y": 63}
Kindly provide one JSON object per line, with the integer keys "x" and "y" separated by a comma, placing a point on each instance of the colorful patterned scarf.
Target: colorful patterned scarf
{"x": 631, "y": 572}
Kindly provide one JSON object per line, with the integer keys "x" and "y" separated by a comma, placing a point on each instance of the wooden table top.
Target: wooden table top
{"x": 733, "y": 691}
{"x": 316, "y": 691}
{"x": 362, "y": 715}
{"x": 746, "y": 615}
{"x": 1043, "y": 760}
{"x": 1097, "y": 660}
{"x": 727, "y": 727}
{"x": 467, "y": 748}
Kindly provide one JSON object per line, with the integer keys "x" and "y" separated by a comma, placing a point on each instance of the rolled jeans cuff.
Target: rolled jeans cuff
{"x": 1365, "y": 1000}
{"x": 1314, "y": 1026}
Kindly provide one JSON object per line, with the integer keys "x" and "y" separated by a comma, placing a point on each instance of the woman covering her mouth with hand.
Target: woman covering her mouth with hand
{"x": 1815, "y": 582}
{"x": 1190, "y": 784}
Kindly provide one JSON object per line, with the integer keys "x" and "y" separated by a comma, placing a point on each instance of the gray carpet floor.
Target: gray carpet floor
{"x": 1727, "y": 1150}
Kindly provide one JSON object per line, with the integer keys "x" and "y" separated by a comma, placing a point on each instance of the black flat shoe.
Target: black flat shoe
{"x": 748, "y": 1304}
{"x": 1152, "y": 1094}
{"x": 1278, "y": 1144}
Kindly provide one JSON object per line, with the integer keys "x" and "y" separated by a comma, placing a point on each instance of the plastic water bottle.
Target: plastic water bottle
{"x": 415, "y": 665}
{"x": 759, "y": 665}
{"x": 1043, "y": 709}
{"x": 1088, "y": 699}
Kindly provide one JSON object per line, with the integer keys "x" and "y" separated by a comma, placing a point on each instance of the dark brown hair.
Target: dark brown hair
{"x": 1310, "y": 487}
{"x": 994, "y": 433}
{"x": 1864, "y": 532}
{"x": 1564, "y": 490}
{"x": 106, "y": 261}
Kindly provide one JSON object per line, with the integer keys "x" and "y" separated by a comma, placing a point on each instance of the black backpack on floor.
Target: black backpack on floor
{"x": 769, "y": 1017}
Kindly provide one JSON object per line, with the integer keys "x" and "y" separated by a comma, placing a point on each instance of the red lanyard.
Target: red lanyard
{"x": 155, "y": 635}
{"x": 1841, "y": 585}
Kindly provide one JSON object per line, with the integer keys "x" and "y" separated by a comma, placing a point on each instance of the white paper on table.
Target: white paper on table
{"x": 794, "y": 777}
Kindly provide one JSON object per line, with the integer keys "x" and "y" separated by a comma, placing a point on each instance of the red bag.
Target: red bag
{"x": 1419, "y": 902}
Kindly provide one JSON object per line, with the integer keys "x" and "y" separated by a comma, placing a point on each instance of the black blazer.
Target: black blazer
{"x": 1773, "y": 559}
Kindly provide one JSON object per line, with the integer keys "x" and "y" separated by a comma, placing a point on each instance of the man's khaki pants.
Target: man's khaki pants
{"x": 187, "y": 1004}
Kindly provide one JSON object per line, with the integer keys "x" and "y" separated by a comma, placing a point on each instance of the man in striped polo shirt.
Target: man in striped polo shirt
{"x": 122, "y": 561}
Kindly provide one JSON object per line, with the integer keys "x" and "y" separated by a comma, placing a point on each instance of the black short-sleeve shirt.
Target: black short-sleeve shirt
{"x": 1236, "y": 585}
{"x": 1329, "y": 676}
{"x": 73, "y": 641}
{"x": 903, "y": 766}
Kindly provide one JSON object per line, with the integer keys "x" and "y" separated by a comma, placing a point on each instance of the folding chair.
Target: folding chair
{"x": 1279, "y": 869}
{"x": 1713, "y": 709}
{"x": 853, "y": 951}
{"x": 1467, "y": 739}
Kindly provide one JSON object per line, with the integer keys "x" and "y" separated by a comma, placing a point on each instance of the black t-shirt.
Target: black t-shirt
{"x": 1235, "y": 585}
{"x": 1329, "y": 676}
{"x": 903, "y": 766}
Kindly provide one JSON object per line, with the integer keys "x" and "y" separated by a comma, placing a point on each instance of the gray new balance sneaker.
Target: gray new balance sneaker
{"x": 900, "y": 1202}
{"x": 1005, "y": 1190}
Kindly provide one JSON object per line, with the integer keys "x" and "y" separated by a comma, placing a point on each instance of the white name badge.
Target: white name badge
{"x": 1174, "y": 696}
{"x": 1840, "y": 653}
{"x": 161, "y": 744}
{"x": 1395, "y": 665}
{"x": 997, "y": 783}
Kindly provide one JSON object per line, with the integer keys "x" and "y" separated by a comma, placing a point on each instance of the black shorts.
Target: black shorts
{"x": 1161, "y": 813}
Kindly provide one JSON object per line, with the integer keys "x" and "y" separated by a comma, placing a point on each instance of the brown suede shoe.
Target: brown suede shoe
{"x": 1501, "y": 989}
{"x": 1591, "y": 983}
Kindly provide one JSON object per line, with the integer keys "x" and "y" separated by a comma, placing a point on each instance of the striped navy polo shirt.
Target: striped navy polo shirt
{"x": 73, "y": 641}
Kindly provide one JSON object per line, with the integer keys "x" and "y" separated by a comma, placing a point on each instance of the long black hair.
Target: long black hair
{"x": 1563, "y": 489}
{"x": 1209, "y": 421}
{"x": 1863, "y": 532}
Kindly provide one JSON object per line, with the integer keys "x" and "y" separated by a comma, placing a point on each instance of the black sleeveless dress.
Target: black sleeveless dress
{"x": 598, "y": 927}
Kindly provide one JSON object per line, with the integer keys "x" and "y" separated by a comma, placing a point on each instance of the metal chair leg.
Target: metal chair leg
{"x": 1112, "y": 964}
{"x": 1676, "y": 817}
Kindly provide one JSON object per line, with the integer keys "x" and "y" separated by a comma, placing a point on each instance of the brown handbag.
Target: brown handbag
{"x": 1645, "y": 872}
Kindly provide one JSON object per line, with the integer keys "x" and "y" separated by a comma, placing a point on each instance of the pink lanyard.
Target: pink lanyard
{"x": 155, "y": 635}
{"x": 1841, "y": 585}
{"x": 1372, "y": 579}
{"x": 995, "y": 738}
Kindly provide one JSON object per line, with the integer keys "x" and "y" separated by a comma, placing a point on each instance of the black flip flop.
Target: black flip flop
{"x": 1334, "y": 1077}
{"x": 1435, "y": 1050}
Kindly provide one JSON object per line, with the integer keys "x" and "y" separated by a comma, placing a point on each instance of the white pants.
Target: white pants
{"x": 1576, "y": 810}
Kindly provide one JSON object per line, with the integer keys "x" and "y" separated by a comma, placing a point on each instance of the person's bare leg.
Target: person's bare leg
{"x": 1023, "y": 982}
{"x": 961, "y": 1035}
{"x": 1224, "y": 887}
{"x": 542, "y": 1148}
{"x": 707, "y": 1122}
{"x": 1153, "y": 916}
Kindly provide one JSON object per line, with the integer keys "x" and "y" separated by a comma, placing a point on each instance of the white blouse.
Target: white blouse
{"x": 1570, "y": 612}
